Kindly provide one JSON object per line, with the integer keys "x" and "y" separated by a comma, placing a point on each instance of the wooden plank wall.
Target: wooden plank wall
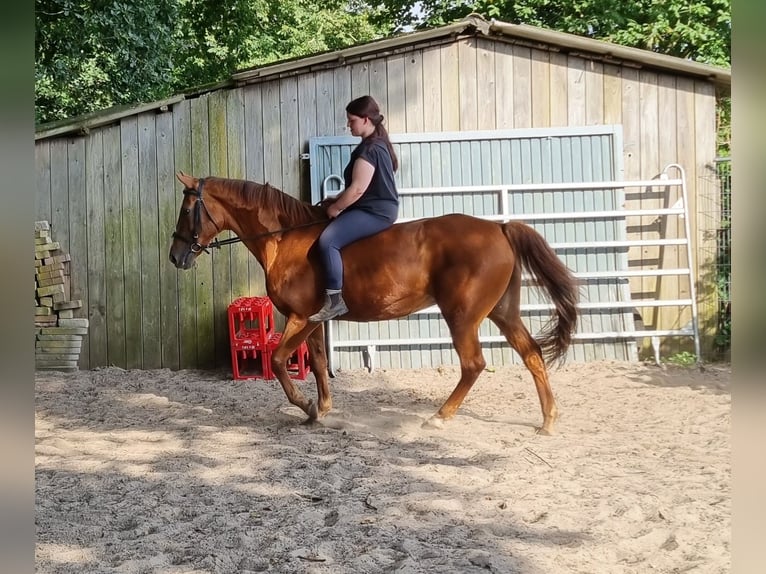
{"x": 112, "y": 198}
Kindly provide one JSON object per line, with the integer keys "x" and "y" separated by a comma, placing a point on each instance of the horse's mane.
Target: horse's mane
{"x": 289, "y": 209}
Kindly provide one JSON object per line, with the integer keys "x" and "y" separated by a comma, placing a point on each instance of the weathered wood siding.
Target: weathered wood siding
{"x": 112, "y": 198}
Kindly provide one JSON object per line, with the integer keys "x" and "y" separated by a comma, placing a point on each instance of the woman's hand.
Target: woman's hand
{"x": 327, "y": 202}
{"x": 333, "y": 210}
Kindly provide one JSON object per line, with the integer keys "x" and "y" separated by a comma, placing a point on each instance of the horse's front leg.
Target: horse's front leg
{"x": 318, "y": 362}
{"x": 294, "y": 334}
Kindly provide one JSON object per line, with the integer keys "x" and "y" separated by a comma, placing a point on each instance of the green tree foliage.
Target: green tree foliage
{"x": 218, "y": 38}
{"x": 97, "y": 54}
{"x": 696, "y": 29}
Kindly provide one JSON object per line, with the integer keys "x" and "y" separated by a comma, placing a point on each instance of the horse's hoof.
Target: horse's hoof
{"x": 312, "y": 411}
{"x": 435, "y": 422}
{"x": 544, "y": 432}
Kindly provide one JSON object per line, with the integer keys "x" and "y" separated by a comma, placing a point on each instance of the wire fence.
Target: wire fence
{"x": 723, "y": 255}
{"x": 714, "y": 258}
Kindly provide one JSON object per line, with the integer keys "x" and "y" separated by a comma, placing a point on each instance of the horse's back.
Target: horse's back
{"x": 454, "y": 234}
{"x": 448, "y": 260}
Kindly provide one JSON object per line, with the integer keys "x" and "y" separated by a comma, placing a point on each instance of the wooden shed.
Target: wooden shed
{"x": 106, "y": 181}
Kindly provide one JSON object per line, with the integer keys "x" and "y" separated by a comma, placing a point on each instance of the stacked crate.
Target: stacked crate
{"x": 58, "y": 334}
{"x": 253, "y": 340}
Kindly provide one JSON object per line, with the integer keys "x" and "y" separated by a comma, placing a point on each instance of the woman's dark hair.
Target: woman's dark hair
{"x": 367, "y": 107}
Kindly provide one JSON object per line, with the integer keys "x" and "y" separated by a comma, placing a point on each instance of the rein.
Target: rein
{"x": 217, "y": 243}
{"x": 195, "y": 246}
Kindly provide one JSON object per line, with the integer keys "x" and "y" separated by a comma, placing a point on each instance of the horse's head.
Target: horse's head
{"x": 196, "y": 226}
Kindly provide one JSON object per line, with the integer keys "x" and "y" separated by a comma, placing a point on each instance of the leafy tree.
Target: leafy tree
{"x": 696, "y": 29}
{"x": 217, "y": 38}
{"x": 93, "y": 55}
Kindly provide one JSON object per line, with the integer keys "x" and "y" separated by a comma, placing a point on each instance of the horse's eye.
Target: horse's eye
{"x": 187, "y": 210}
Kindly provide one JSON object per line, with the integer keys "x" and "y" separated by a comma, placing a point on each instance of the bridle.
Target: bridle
{"x": 195, "y": 246}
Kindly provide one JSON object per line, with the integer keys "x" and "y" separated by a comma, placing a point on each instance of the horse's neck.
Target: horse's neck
{"x": 262, "y": 214}
{"x": 272, "y": 210}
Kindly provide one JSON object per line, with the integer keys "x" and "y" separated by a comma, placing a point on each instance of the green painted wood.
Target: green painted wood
{"x": 289, "y": 136}
{"x": 235, "y": 137}
{"x": 114, "y": 301}
{"x": 272, "y": 142}
{"x": 150, "y": 244}
{"x": 78, "y": 238}
{"x": 272, "y": 148}
{"x": 221, "y": 287}
{"x": 203, "y": 270}
{"x": 96, "y": 240}
{"x": 59, "y": 215}
{"x": 43, "y": 181}
{"x": 187, "y": 281}
{"x": 254, "y": 152}
{"x": 307, "y": 127}
{"x": 131, "y": 241}
{"x": 167, "y": 194}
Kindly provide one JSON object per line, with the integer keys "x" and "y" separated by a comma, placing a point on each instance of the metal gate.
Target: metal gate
{"x": 564, "y": 182}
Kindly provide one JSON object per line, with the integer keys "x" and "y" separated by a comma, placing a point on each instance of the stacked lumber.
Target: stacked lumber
{"x": 58, "y": 334}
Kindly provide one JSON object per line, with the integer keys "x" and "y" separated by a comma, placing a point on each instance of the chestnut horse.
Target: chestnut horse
{"x": 469, "y": 267}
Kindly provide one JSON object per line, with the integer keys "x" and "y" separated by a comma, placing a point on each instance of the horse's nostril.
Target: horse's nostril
{"x": 173, "y": 259}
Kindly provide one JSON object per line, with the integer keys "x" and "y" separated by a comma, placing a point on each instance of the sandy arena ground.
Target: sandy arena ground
{"x": 190, "y": 472}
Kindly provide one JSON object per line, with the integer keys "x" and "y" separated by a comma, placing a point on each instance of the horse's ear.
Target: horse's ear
{"x": 188, "y": 181}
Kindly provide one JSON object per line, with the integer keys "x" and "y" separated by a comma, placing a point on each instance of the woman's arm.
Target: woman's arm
{"x": 361, "y": 176}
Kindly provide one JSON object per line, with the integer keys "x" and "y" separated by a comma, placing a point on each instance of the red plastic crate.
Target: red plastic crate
{"x": 251, "y": 318}
{"x": 298, "y": 363}
{"x": 251, "y": 321}
{"x": 250, "y": 361}
{"x": 252, "y": 340}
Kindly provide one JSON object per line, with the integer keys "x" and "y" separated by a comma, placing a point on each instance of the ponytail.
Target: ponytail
{"x": 367, "y": 107}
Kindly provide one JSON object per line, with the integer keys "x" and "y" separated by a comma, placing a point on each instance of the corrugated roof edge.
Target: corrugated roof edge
{"x": 607, "y": 50}
{"x": 475, "y": 23}
{"x": 83, "y": 124}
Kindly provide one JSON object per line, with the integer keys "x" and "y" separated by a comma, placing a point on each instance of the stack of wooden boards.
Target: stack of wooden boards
{"x": 58, "y": 334}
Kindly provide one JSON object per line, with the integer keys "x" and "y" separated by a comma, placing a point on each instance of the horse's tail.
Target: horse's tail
{"x": 537, "y": 257}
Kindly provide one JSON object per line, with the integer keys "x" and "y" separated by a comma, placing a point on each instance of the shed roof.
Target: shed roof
{"x": 472, "y": 25}
{"x": 475, "y": 25}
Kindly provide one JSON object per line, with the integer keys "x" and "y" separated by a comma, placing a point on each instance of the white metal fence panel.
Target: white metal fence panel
{"x": 563, "y": 182}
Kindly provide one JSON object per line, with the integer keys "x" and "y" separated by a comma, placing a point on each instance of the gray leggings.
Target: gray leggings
{"x": 348, "y": 227}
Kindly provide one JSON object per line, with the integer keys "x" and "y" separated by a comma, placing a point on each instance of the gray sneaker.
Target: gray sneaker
{"x": 334, "y": 305}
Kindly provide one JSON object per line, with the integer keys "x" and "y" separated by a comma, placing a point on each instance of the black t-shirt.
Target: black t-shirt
{"x": 380, "y": 197}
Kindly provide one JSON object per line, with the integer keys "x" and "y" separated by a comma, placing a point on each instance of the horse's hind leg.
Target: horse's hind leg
{"x": 472, "y": 363}
{"x": 508, "y": 320}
